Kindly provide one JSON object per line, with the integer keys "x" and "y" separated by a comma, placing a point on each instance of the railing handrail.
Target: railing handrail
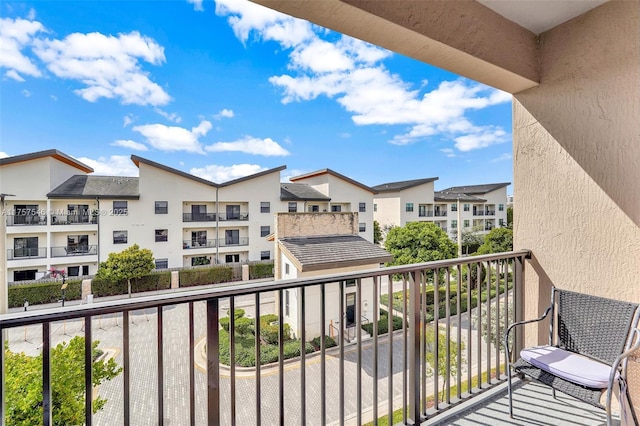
{"x": 221, "y": 291}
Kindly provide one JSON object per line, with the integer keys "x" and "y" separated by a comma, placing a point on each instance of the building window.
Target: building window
{"x": 162, "y": 207}
{"x": 286, "y": 269}
{"x": 265, "y": 230}
{"x": 161, "y": 235}
{"x": 314, "y": 209}
{"x": 350, "y": 283}
{"x": 73, "y": 271}
{"x": 120, "y": 208}
{"x": 293, "y": 207}
{"x": 77, "y": 213}
{"x": 466, "y": 223}
{"x": 408, "y": 207}
{"x": 25, "y": 247}
{"x": 198, "y": 239}
{"x": 119, "y": 237}
{"x": 454, "y": 224}
{"x": 466, "y": 207}
{"x": 265, "y": 255}
{"x": 162, "y": 263}
{"x": 500, "y": 207}
{"x": 501, "y": 222}
{"x": 232, "y": 258}
{"x": 362, "y": 227}
{"x": 336, "y": 209}
{"x": 85, "y": 270}
{"x": 454, "y": 207}
{"x": 78, "y": 244}
{"x": 362, "y": 207}
{"x": 375, "y": 207}
{"x": 29, "y": 274}
{"x": 200, "y": 260}
{"x": 422, "y": 210}
{"x": 265, "y": 207}
{"x": 25, "y": 214}
{"x": 232, "y": 237}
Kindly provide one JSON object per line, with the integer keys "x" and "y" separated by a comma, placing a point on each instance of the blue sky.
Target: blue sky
{"x": 228, "y": 88}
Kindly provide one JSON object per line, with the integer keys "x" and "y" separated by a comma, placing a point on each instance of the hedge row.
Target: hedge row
{"x": 202, "y": 276}
{"x": 151, "y": 282}
{"x": 37, "y": 293}
{"x": 383, "y": 324}
{"x": 260, "y": 270}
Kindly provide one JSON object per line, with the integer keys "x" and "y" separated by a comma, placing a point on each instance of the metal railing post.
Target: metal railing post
{"x": 213, "y": 363}
{"x": 414, "y": 348}
{"x": 518, "y": 302}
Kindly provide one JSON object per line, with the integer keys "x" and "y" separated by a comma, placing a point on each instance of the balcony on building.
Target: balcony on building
{"x": 26, "y": 253}
{"x": 75, "y": 250}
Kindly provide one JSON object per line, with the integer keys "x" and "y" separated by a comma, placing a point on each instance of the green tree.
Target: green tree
{"x": 496, "y": 241}
{"x": 510, "y": 217}
{"x": 24, "y": 384}
{"x": 418, "y": 242}
{"x": 132, "y": 262}
{"x": 471, "y": 239}
{"x": 377, "y": 233}
{"x": 442, "y": 353}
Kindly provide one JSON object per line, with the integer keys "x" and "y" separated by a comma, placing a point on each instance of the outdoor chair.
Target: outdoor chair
{"x": 590, "y": 340}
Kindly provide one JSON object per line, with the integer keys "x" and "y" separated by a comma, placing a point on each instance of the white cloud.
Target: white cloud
{"x": 345, "y": 135}
{"x": 350, "y": 71}
{"x": 108, "y": 66}
{"x": 116, "y": 165}
{"x": 14, "y": 75}
{"x": 448, "y": 152}
{"x": 225, "y": 113}
{"x": 482, "y": 139}
{"x": 54, "y": 98}
{"x": 15, "y": 35}
{"x": 220, "y": 174}
{"x": 130, "y": 144}
{"x": 197, "y": 5}
{"x": 3, "y": 154}
{"x": 250, "y": 145}
{"x": 169, "y": 116}
{"x": 128, "y": 119}
{"x": 503, "y": 157}
{"x": 173, "y": 138}
{"x": 26, "y": 93}
{"x": 32, "y": 14}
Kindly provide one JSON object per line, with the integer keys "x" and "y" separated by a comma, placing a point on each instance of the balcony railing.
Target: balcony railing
{"x": 198, "y": 217}
{"x": 233, "y": 216}
{"x": 443, "y": 309}
{"x": 428, "y": 213}
{"x": 20, "y": 220}
{"x": 440, "y": 213}
{"x": 74, "y": 219}
{"x": 490, "y": 212}
{"x": 80, "y": 250}
{"x": 478, "y": 213}
{"x": 26, "y": 253}
{"x": 190, "y": 244}
{"x": 227, "y": 242}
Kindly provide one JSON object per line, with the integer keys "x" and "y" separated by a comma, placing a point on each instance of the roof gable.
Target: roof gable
{"x": 109, "y": 187}
{"x": 336, "y": 174}
{"x": 477, "y": 189}
{"x": 53, "y": 153}
{"x": 402, "y": 185}
{"x": 300, "y": 192}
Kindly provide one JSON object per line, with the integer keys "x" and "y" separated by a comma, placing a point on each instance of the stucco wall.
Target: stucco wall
{"x": 316, "y": 224}
{"x": 577, "y": 160}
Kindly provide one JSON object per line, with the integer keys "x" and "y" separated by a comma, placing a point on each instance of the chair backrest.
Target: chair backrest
{"x": 593, "y": 326}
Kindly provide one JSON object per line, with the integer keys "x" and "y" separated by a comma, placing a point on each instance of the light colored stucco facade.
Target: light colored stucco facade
{"x": 576, "y": 105}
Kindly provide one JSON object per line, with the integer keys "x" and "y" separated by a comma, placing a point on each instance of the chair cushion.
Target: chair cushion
{"x": 567, "y": 365}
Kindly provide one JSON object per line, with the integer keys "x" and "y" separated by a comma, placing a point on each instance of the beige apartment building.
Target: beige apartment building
{"x": 61, "y": 216}
{"x": 477, "y": 208}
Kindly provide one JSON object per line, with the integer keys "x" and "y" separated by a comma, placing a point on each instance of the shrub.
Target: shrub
{"x": 383, "y": 324}
{"x": 328, "y": 342}
{"x": 244, "y": 326}
{"x": 202, "y": 276}
{"x": 38, "y": 293}
{"x": 260, "y": 270}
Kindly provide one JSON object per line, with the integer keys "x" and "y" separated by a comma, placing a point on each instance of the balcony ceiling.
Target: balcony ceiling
{"x": 539, "y": 16}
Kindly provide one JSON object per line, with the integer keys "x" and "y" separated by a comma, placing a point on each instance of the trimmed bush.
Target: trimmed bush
{"x": 328, "y": 342}
{"x": 383, "y": 324}
{"x": 260, "y": 270}
{"x": 203, "y": 276}
{"x": 39, "y": 293}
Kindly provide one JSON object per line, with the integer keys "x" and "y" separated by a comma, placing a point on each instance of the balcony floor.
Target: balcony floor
{"x": 533, "y": 404}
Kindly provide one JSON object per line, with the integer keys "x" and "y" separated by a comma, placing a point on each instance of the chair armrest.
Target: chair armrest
{"x": 615, "y": 367}
{"x": 515, "y": 324}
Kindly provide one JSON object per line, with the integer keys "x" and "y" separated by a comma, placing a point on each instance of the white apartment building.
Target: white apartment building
{"x": 482, "y": 207}
{"x": 346, "y": 195}
{"x": 61, "y": 216}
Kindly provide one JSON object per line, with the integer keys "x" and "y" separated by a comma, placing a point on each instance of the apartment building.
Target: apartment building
{"x": 62, "y": 217}
{"x": 482, "y": 207}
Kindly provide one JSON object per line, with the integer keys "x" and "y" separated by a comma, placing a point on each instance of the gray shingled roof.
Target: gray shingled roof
{"x": 111, "y": 187}
{"x": 60, "y": 156}
{"x": 403, "y": 184}
{"x": 454, "y": 196}
{"x": 333, "y": 251}
{"x": 300, "y": 192}
{"x": 477, "y": 189}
